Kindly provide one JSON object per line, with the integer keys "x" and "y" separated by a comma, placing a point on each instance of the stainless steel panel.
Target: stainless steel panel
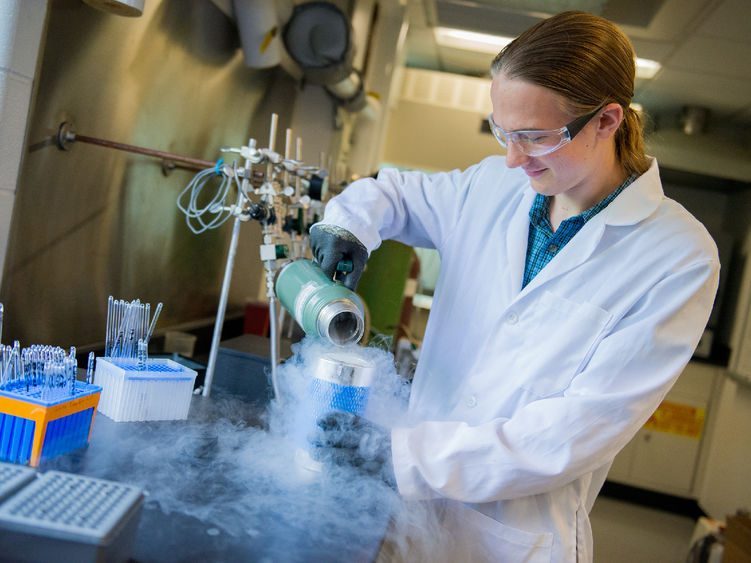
{"x": 92, "y": 221}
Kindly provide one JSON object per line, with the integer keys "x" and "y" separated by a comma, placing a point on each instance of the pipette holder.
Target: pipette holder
{"x": 160, "y": 391}
{"x": 33, "y": 429}
{"x": 14, "y": 477}
{"x": 65, "y": 517}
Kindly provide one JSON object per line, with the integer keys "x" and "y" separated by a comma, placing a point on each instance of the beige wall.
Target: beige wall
{"x": 433, "y": 138}
{"x": 435, "y": 124}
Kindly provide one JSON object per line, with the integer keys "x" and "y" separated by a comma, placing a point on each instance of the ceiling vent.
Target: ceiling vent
{"x": 511, "y": 17}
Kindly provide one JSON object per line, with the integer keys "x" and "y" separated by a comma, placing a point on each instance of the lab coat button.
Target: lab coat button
{"x": 512, "y": 318}
{"x": 471, "y": 401}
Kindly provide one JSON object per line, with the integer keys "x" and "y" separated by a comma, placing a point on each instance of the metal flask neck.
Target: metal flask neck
{"x": 341, "y": 322}
{"x": 346, "y": 369}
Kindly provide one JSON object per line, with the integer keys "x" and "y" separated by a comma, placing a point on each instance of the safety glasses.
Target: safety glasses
{"x": 538, "y": 142}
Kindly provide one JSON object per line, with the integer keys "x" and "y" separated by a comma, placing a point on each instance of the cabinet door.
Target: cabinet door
{"x": 657, "y": 461}
{"x": 664, "y": 454}
{"x": 620, "y": 471}
{"x": 665, "y": 462}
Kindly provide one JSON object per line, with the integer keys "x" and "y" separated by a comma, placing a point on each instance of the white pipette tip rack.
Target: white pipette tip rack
{"x": 66, "y": 517}
{"x": 13, "y": 477}
{"x": 160, "y": 389}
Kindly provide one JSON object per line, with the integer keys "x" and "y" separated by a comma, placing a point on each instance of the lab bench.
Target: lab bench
{"x": 221, "y": 487}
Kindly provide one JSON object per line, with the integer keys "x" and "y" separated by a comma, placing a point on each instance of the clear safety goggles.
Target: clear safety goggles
{"x": 538, "y": 142}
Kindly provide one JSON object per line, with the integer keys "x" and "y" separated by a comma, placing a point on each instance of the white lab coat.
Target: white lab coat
{"x": 522, "y": 397}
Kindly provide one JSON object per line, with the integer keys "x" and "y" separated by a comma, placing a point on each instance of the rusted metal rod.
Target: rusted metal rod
{"x": 141, "y": 150}
{"x": 66, "y": 136}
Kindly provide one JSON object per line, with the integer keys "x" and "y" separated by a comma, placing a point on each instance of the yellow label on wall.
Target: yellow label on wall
{"x": 674, "y": 418}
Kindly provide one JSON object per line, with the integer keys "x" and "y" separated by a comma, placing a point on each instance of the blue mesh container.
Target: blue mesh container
{"x": 341, "y": 382}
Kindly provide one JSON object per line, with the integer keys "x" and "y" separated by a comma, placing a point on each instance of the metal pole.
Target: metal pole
{"x": 142, "y": 150}
{"x": 218, "y": 325}
{"x": 269, "y": 231}
{"x": 274, "y": 335}
{"x": 222, "y": 308}
{"x": 66, "y": 136}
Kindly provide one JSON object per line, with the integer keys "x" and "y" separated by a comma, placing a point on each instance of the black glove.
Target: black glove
{"x": 331, "y": 244}
{"x": 348, "y": 439}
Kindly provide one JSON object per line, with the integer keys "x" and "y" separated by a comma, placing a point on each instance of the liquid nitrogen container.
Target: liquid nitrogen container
{"x": 341, "y": 382}
{"x": 321, "y": 306}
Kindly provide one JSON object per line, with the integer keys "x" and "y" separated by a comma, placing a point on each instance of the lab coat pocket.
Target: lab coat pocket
{"x": 562, "y": 336}
{"x": 479, "y": 538}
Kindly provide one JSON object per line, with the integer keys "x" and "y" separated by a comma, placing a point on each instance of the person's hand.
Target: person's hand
{"x": 348, "y": 439}
{"x": 331, "y": 244}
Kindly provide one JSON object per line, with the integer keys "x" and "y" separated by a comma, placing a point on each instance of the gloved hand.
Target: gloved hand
{"x": 331, "y": 244}
{"x": 348, "y": 439}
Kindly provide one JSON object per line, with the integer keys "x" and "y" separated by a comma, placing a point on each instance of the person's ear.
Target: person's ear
{"x": 609, "y": 120}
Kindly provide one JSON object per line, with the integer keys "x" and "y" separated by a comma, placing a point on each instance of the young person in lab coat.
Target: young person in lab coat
{"x": 571, "y": 295}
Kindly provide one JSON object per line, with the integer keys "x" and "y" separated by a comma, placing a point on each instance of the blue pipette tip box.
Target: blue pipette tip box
{"x": 37, "y": 424}
{"x": 161, "y": 389}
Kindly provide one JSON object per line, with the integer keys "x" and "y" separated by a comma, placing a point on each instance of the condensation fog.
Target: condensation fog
{"x": 232, "y": 468}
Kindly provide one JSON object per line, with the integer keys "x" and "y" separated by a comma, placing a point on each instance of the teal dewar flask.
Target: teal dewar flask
{"x": 321, "y": 306}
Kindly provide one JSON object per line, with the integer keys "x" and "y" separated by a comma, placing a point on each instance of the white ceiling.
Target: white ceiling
{"x": 704, "y": 47}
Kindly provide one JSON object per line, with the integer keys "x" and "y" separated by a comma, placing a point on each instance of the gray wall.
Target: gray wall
{"x": 92, "y": 222}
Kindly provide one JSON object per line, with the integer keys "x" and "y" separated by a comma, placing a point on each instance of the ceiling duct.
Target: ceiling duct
{"x": 257, "y": 25}
{"x": 318, "y": 37}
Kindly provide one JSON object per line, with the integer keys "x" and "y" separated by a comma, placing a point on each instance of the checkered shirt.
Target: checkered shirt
{"x": 543, "y": 244}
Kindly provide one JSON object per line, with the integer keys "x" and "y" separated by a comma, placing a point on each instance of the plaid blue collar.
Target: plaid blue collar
{"x": 538, "y": 214}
